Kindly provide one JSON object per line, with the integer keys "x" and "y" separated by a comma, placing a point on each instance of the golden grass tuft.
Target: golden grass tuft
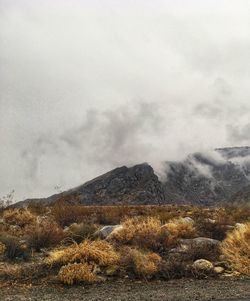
{"x": 176, "y": 229}
{"x": 77, "y": 272}
{"x": 99, "y": 252}
{"x": 19, "y": 217}
{"x": 144, "y": 232}
{"x": 236, "y": 248}
{"x": 2, "y": 248}
{"x": 141, "y": 263}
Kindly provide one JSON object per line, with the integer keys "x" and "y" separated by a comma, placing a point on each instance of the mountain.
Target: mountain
{"x": 123, "y": 185}
{"x": 214, "y": 178}
{"x": 208, "y": 179}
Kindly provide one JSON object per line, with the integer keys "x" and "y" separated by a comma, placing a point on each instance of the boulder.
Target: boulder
{"x": 187, "y": 220}
{"x": 185, "y": 245}
{"x": 219, "y": 270}
{"x": 239, "y": 225}
{"x": 203, "y": 265}
{"x": 106, "y": 231}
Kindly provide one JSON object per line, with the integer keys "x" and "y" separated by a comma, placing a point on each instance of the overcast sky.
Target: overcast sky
{"x": 86, "y": 86}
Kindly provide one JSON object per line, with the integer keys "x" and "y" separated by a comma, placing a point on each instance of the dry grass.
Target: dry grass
{"x": 19, "y": 217}
{"x": 13, "y": 248}
{"x": 45, "y": 233}
{"x": 99, "y": 252}
{"x": 79, "y": 232}
{"x": 176, "y": 229}
{"x": 141, "y": 263}
{"x": 76, "y": 273}
{"x": 236, "y": 248}
{"x": 2, "y": 248}
{"x": 143, "y": 232}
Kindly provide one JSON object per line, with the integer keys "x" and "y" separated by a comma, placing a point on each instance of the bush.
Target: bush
{"x": 79, "y": 232}
{"x": 236, "y": 248}
{"x": 99, "y": 252}
{"x": 141, "y": 263}
{"x": 143, "y": 232}
{"x": 77, "y": 272}
{"x": 2, "y": 248}
{"x": 13, "y": 247}
{"x": 19, "y": 217}
{"x": 173, "y": 269}
{"x": 44, "y": 234}
{"x": 176, "y": 229}
{"x": 212, "y": 228}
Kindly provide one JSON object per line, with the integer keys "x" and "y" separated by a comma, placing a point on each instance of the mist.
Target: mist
{"x": 87, "y": 86}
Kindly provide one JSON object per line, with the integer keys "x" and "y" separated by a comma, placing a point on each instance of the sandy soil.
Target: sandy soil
{"x": 174, "y": 290}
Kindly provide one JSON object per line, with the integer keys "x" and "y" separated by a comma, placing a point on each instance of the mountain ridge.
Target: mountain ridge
{"x": 209, "y": 179}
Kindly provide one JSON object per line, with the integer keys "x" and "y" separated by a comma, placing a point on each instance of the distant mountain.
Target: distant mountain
{"x": 214, "y": 178}
{"x": 208, "y": 179}
{"x": 123, "y": 185}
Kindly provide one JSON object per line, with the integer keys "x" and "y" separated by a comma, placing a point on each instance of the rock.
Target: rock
{"x": 185, "y": 245}
{"x": 203, "y": 265}
{"x": 239, "y": 225}
{"x": 188, "y": 220}
{"x": 219, "y": 270}
{"x": 106, "y": 231}
{"x": 229, "y": 227}
{"x": 209, "y": 220}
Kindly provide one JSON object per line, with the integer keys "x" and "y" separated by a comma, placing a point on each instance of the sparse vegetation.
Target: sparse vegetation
{"x": 78, "y": 232}
{"x": 45, "y": 233}
{"x": 236, "y": 248}
{"x": 19, "y": 217}
{"x": 77, "y": 272}
{"x": 147, "y": 245}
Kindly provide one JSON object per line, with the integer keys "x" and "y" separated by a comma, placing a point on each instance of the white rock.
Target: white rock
{"x": 203, "y": 265}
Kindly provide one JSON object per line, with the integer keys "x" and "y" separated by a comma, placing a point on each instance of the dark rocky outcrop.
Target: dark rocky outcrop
{"x": 200, "y": 179}
{"x": 123, "y": 185}
{"x": 207, "y": 180}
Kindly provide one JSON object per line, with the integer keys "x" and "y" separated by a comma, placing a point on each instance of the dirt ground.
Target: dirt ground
{"x": 174, "y": 290}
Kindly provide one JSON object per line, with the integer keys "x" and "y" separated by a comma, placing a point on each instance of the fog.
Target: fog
{"x": 86, "y": 86}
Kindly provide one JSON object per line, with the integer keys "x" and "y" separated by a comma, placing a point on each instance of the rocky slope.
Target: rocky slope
{"x": 222, "y": 176}
{"x": 123, "y": 185}
{"x": 209, "y": 178}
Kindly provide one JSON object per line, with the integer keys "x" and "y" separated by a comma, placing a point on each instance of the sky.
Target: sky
{"x": 87, "y": 86}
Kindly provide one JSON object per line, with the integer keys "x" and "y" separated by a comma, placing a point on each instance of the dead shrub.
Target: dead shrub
{"x": 212, "y": 228}
{"x": 143, "y": 232}
{"x": 176, "y": 229}
{"x": 174, "y": 268}
{"x": 236, "y": 248}
{"x": 2, "y": 248}
{"x": 99, "y": 252}
{"x": 44, "y": 234}
{"x": 77, "y": 272}
{"x": 205, "y": 250}
{"x": 13, "y": 247}
{"x": 19, "y": 217}
{"x": 139, "y": 262}
{"x": 79, "y": 232}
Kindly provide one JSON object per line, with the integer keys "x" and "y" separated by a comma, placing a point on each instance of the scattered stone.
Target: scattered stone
{"x": 106, "y": 231}
{"x": 239, "y": 225}
{"x": 188, "y": 220}
{"x": 219, "y": 270}
{"x": 203, "y": 265}
{"x": 210, "y": 221}
{"x": 185, "y": 245}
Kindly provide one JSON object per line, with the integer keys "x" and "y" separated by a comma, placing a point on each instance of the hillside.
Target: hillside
{"x": 204, "y": 179}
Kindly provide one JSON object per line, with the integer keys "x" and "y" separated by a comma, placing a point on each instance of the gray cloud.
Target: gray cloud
{"x": 89, "y": 85}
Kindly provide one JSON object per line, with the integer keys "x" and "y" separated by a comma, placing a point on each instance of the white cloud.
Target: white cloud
{"x": 188, "y": 61}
